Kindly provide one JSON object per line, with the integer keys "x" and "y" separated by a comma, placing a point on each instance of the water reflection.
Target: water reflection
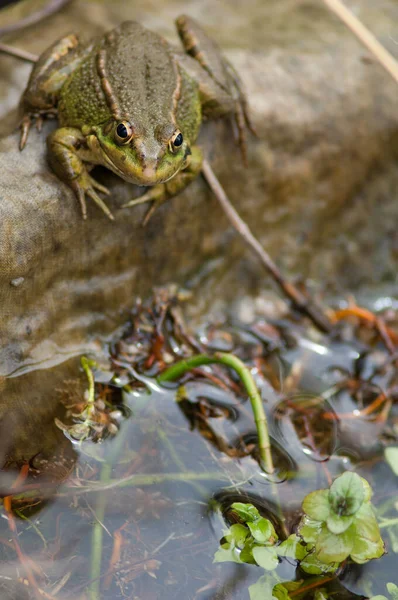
{"x": 140, "y": 514}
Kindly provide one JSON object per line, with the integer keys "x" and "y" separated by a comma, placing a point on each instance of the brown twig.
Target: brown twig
{"x": 48, "y": 9}
{"x": 365, "y": 37}
{"x": 300, "y": 301}
{"x": 18, "y": 53}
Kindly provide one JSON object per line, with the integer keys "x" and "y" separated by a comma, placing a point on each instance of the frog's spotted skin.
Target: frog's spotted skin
{"x": 131, "y": 102}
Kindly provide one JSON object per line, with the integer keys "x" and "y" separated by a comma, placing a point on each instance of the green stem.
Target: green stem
{"x": 97, "y": 535}
{"x": 229, "y": 360}
{"x": 87, "y": 365}
{"x": 388, "y": 523}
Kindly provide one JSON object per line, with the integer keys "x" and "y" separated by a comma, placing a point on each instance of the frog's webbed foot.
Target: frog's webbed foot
{"x": 84, "y": 186}
{"x": 220, "y": 86}
{"x": 157, "y": 195}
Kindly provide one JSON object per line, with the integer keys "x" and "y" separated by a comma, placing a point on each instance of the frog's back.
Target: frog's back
{"x": 130, "y": 73}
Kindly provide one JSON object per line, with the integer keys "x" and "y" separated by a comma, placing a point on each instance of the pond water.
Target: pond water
{"x": 140, "y": 513}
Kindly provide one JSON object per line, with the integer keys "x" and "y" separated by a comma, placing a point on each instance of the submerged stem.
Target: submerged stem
{"x": 229, "y": 360}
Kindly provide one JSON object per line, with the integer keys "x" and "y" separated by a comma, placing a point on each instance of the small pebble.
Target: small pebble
{"x": 17, "y": 281}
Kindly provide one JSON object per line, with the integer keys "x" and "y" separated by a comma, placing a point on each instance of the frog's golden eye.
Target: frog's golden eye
{"x": 176, "y": 141}
{"x": 124, "y": 132}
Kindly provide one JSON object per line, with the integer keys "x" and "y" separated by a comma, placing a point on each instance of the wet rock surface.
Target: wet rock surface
{"x": 319, "y": 192}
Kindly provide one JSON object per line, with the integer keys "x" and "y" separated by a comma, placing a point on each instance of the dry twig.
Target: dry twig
{"x": 301, "y": 302}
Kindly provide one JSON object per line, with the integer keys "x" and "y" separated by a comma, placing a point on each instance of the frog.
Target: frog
{"x": 132, "y": 102}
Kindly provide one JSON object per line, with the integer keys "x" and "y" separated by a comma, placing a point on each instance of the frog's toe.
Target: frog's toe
{"x": 25, "y": 126}
{"x": 99, "y": 187}
{"x": 82, "y": 200}
{"x": 85, "y": 186}
{"x": 147, "y": 197}
{"x": 94, "y": 196}
{"x": 157, "y": 194}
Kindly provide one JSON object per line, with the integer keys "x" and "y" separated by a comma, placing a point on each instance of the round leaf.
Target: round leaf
{"x": 316, "y": 505}
{"x": 263, "y": 531}
{"x": 309, "y": 529}
{"x": 247, "y": 512}
{"x": 337, "y": 524}
{"x": 346, "y": 494}
{"x": 391, "y": 456}
{"x": 292, "y": 548}
{"x": 331, "y": 548}
{"x": 368, "y": 543}
{"x": 265, "y": 557}
{"x": 237, "y": 534}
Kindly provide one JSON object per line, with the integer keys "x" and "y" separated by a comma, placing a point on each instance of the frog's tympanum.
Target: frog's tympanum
{"x": 133, "y": 103}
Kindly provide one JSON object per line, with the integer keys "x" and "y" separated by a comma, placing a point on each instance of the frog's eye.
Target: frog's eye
{"x": 176, "y": 141}
{"x": 124, "y": 131}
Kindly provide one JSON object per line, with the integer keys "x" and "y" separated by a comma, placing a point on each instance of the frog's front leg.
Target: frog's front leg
{"x": 164, "y": 191}
{"x": 48, "y": 76}
{"x": 67, "y": 153}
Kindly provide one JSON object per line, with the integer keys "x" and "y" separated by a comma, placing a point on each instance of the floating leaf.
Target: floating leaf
{"x": 346, "y": 494}
{"x": 265, "y": 557}
{"x": 337, "y": 524}
{"x": 262, "y": 589}
{"x": 332, "y": 548}
{"x": 393, "y": 590}
{"x": 309, "y": 529}
{"x": 236, "y": 535}
{"x": 291, "y": 548}
{"x": 316, "y": 505}
{"x": 320, "y": 595}
{"x": 391, "y": 456}
{"x": 367, "y": 540}
{"x": 226, "y": 553}
{"x": 246, "y": 554}
{"x": 281, "y": 590}
{"x": 247, "y": 512}
{"x": 263, "y": 531}
{"x": 311, "y": 565}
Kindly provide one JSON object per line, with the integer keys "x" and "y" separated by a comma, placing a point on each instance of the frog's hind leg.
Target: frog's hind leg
{"x": 227, "y": 90}
{"x": 48, "y": 76}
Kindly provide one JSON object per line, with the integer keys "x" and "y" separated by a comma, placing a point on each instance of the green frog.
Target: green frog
{"x": 133, "y": 103}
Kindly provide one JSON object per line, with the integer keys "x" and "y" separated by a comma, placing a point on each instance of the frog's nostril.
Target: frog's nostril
{"x": 149, "y": 172}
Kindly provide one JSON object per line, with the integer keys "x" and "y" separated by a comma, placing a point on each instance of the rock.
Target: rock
{"x": 319, "y": 192}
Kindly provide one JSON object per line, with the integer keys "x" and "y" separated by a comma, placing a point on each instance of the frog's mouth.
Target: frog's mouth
{"x": 150, "y": 180}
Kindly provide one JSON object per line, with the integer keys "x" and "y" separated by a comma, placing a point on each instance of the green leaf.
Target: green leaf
{"x": 291, "y": 548}
{"x": 393, "y": 590}
{"x": 320, "y": 595}
{"x": 332, "y": 548}
{"x": 378, "y": 598}
{"x": 263, "y": 531}
{"x": 391, "y": 456}
{"x": 226, "y": 553}
{"x": 309, "y": 529}
{"x": 316, "y": 505}
{"x": 281, "y": 590}
{"x": 368, "y": 543}
{"x": 246, "y": 554}
{"x": 311, "y": 565}
{"x": 367, "y": 489}
{"x": 247, "y": 512}
{"x": 265, "y": 557}
{"x": 346, "y": 494}
{"x": 262, "y": 588}
{"x": 337, "y": 524}
{"x": 236, "y": 534}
